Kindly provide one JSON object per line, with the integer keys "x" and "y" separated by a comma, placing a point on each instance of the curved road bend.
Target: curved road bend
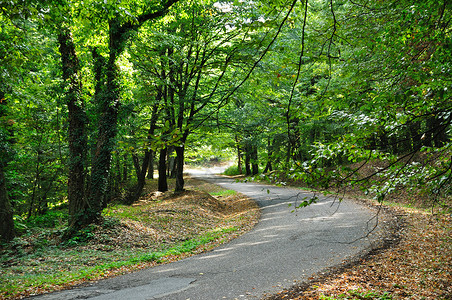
{"x": 284, "y": 248}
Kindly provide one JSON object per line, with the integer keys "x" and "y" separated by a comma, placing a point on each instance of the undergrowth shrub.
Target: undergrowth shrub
{"x": 231, "y": 171}
{"x": 50, "y": 219}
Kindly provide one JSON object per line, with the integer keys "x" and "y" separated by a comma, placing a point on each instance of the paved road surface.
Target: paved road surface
{"x": 284, "y": 248}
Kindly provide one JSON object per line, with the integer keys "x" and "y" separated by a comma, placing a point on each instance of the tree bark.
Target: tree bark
{"x": 77, "y": 139}
{"x": 7, "y": 232}
{"x": 136, "y": 165}
{"x": 136, "y": 194}
{"x": 179, "y": 168}
{"x": 415, "y": 135}
{"x": 6, "y": 213}
{"x": 125, "y": 169}
{"x": 108, "y": 106}
{"x": 247, "y": 160}
{"x": 162, "y": 182}
{"x": 254, "y": 160}
{"x": 440, "y": 131}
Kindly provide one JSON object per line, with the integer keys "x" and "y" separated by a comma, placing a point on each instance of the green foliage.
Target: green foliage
{"x": 232, "y": 170}
{"x": 343, "y": 84}
{"x": 81, "y": 236}
{"x": 51, "y": 219}
{"x": 224, "y": 193}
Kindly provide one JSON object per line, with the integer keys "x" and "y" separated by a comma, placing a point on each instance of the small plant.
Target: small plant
{"x": 110, "y": 222}
{"x": 50, "y": 219}
{"x": 20, "y": 224}
{"x": 232, "y": 171}
{"x": 358, "y": 295}
{"x": 81, "y": 237}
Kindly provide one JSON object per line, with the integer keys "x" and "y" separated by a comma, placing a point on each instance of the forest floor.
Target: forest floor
{"x": 160, "y": 228}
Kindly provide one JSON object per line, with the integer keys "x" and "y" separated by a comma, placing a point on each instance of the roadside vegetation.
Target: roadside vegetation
{"x": 160, "y": 228}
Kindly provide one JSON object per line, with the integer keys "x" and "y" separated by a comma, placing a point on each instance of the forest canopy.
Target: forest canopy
{"x": 95, "y": 95}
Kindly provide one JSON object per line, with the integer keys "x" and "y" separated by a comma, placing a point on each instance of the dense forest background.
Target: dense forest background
{"x": 95, "y": 95}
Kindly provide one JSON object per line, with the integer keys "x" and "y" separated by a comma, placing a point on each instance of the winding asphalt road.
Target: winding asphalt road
{"x": 283, "y": 249}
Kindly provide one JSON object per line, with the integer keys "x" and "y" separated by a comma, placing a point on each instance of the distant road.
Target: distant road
{"x": 283, "y": 249}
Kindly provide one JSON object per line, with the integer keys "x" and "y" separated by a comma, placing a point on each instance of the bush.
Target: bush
{"x": 231, "y": 171}
{"x": 50, "y": 219}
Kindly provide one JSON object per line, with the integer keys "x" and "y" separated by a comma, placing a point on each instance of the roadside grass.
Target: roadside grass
{"x": 158, "y": 229}
{"x": 224, "y": 193}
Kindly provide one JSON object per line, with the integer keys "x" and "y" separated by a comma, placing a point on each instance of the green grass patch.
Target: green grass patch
{"x": 224, "y": 193}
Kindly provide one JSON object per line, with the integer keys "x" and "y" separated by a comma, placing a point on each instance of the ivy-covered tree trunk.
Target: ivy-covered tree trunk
{"x": 6, "y": 213}
{"x": 76, "y": 130}
{"x": 109, "y": 103}
{"x": 105, "y": 142}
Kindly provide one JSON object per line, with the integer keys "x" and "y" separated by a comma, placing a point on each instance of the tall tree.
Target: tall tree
{"x": 119, "y": 33}
{"x": 206, "y": 49}
{"x": 77, "y": 139}
{"x": 7, "y": 232}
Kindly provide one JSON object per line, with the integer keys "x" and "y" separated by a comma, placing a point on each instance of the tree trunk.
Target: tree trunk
{"x": 6, "y": 213}
{"x": 77, "y": 139}
{"x": 171, "y": 164}
{"x": 136, "y": 164}
{"x": 415, "y": 135}
{"x": 125, "y": 169}
{"x": 118, "y": 174}
{"x": 440, "y": 131}
{"x": 151, "y": 165}
{"x": 239, "y": 156}
{"x": 268, "y": 166}
{"x": 136, "y": 194}
{"x": 141, "y": 174}
{"x": 247, "y": 160}
{"x": 179, "y": 168}
{"x": 162, "y": 182}
{"x": 108, "y": 106}
{"x": 254, "y": 160}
